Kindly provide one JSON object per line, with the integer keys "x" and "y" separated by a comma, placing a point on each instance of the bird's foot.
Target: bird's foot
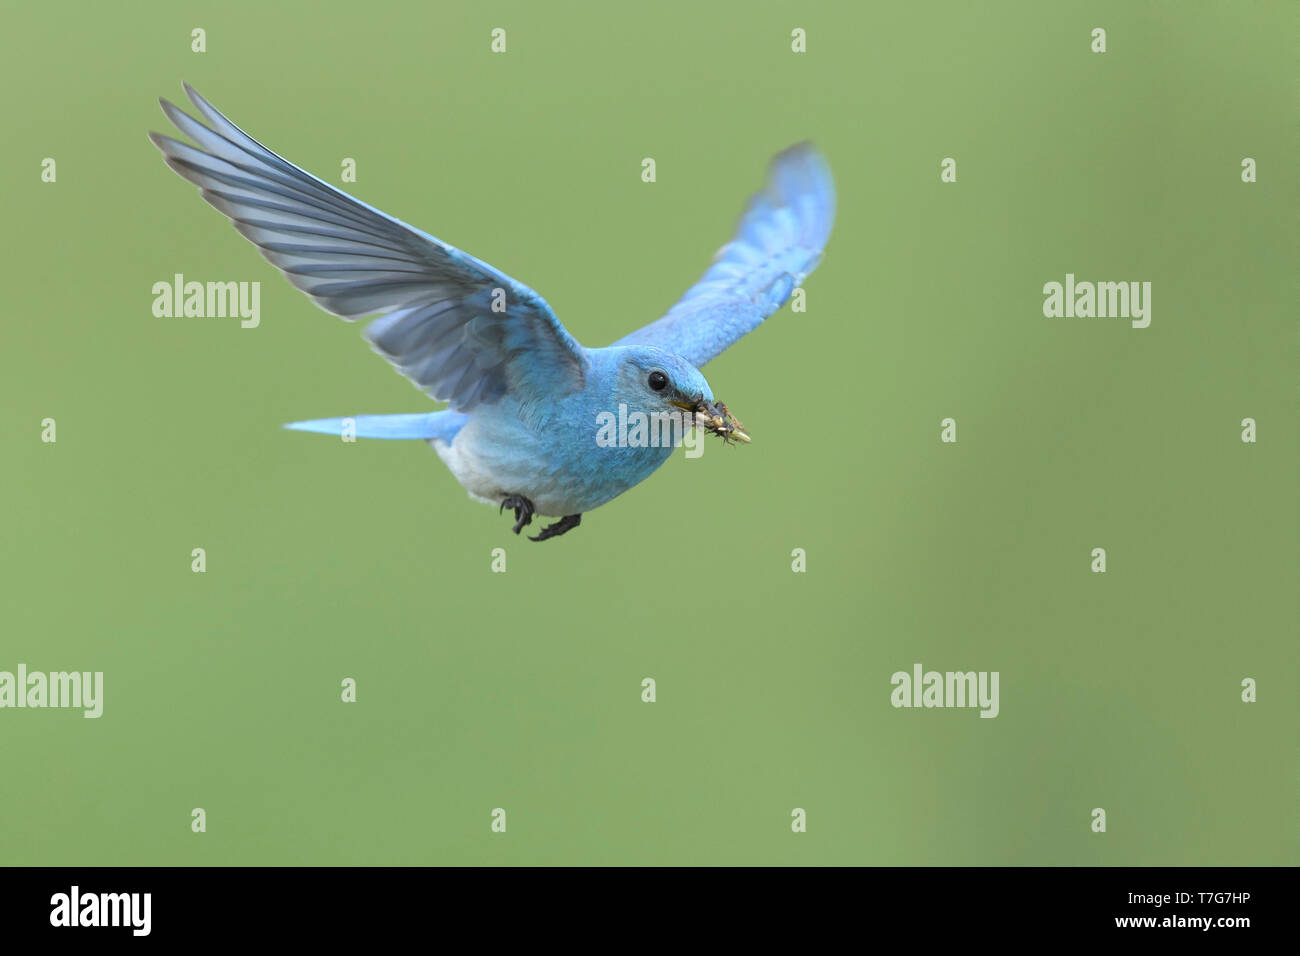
{"x": 567, "y": 523}
{"x": 523, "y": 511}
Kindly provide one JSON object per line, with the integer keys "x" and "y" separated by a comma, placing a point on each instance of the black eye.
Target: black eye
{"x": 658, "y": 381}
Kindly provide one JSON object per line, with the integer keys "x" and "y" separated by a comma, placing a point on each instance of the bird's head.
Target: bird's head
{"x": 657, "y": 381}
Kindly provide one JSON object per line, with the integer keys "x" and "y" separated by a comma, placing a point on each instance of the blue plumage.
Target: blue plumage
{"x": 530, "y": 411}
{"x": 427, "y": 425}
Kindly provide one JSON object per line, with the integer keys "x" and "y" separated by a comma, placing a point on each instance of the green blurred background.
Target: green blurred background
{"x": 522, "y": 690}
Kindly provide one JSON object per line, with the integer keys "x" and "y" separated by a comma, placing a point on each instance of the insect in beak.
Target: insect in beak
{"x": 715, "y": 419}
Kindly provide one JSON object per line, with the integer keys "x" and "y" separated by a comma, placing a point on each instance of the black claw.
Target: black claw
{"x": 523, "y": 511}
{"x": 567, "y": 523}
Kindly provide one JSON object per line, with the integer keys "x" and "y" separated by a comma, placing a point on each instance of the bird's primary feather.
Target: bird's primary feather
{"x": 440, "y": 328}
{"x": 777, "y": 244}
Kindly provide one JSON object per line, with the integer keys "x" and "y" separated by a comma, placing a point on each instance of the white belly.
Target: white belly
{"x": 492, "y": 479}
{"x": 496, "y": 456}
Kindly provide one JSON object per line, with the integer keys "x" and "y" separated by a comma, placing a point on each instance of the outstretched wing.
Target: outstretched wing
{"x": 777, "y": 244}
{"x": 459, "y": 329}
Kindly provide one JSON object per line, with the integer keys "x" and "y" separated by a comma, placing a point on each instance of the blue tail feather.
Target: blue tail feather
{"x": 444, "y": 425}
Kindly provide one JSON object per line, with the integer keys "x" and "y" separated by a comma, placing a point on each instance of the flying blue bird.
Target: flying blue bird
{"x": 524, "y": 400}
